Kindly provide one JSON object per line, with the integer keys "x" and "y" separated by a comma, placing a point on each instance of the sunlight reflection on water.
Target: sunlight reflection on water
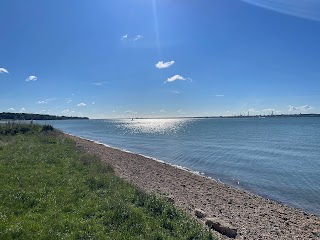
{"x": 274, "y": 157}
{"x": 153, "y": 126}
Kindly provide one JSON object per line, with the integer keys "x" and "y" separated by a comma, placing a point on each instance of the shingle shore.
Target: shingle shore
{"x": 253, "y": 216}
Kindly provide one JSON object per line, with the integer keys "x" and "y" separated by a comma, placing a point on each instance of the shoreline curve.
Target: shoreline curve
{"x": 255, "y": 217}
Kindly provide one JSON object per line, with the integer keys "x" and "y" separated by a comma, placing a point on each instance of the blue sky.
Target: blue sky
{"x": 159, "y": 58}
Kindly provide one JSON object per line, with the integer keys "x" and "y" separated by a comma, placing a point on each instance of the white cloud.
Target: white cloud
{"x": 130, "y": 112}
{"x": 45, "y": 101}
{"x": 268, "y": 110}
{"x": 162, "y": 110}
{"x": 124, "y": 37}
{"x": 42, "y": 102}
{"x": 82, "y": 104}
{"x": 131, "y": 38}
{"x": 31, "y": 78}
{"x": 252, "y": 110}
{"x": 292, "y": 108}
{"x": 66, "y": 111}
{"x": 22, "y": 110}
{"x": 93, "y": 103}
{"x": 11, "y": 109}
{"x": 3, "y": 70}
{"x": 181, "y": 112}
{"x": 137, "y": 37}
{"x": 306, "y": 107}
{"x": 162, "y": 64}
{"x": 175, "y": 78}
{"x": 219, "y": 95}
{"x": 69, "y": 101}
{"x": 176, "y": 92}
{"x": 45, "y": 111}
{"x": 301, "y": 108}
{"x": 99, "y": 83}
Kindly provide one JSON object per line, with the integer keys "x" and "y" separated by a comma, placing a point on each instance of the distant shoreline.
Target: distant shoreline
{"x": 222, "y": 117}
{"x": 241, "y": 116}
{"x": 268, "y": 116}
{"x": 8, "y": 116}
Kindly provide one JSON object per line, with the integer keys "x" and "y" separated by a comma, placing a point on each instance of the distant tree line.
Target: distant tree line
{"x": 266, "y": 116}
{"x": 31, "y": 116}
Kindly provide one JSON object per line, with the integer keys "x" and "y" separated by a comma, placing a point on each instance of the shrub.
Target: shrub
{"x": 47, "y": 128}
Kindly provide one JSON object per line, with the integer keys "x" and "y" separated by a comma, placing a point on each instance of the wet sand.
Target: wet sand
{"x": 253, "y": 216}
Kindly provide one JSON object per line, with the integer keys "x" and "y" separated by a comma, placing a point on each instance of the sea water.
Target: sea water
{"x": 277, "y": 158}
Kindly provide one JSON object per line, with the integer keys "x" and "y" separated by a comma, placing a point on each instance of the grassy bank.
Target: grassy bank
{"x": 51, "y": 190}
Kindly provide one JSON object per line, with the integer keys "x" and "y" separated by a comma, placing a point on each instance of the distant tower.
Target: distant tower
{"x": 272, "y": 113}
{"x": 248, "y": 113}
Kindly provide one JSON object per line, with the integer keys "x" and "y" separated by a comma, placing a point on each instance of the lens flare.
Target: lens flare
{"x": 308, "y": 9}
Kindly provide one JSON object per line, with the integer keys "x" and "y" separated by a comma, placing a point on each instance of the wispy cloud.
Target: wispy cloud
{"x": 292, "y": 108}
{"x": 45, "y": 111}
{"x": 130, "y": 112}
{"x": 301, "y": 108}
{"x": 162, "y": 64}
{"x": 11, "y": 109}
{"x": 31, "y": 78}
{"x": 69, "y": 101}
{"x": 126, "y": 37}
{"x": 162, "y": 110}
{"x": 67, "y": 111}
{"x": 45, "y": 101}
{"x": 22, "y": 110}
{"x": 252, "y": 110}
{"x": 175, "y": 92}
{"x": 82, "y": 104}
{"x": 219, "y": 95}
{"x": 42, "y": 102}
{"x": 180, "y": 111}
{"x": 175, "y": 78}
{"x": 268, "y": 110}
{"x": 99, "y": 83}
{"x": 3, "y": 70}
{"x": 137, "y": 37}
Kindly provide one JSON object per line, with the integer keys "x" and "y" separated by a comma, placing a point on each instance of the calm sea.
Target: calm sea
{"x": 278, "y": 158}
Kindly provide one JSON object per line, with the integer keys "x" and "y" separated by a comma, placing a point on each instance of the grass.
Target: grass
{"x": 51, "y": 190}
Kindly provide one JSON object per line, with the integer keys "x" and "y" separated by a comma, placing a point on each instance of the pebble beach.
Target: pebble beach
{"x": 252, "y": 216}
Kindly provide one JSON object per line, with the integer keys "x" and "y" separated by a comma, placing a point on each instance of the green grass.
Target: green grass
{"x": 51, "y": 190}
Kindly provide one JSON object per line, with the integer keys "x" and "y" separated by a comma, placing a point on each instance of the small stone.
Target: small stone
{"x": 222, "y": 227}
{"x": 170, "y": 198}
{"x": 200, "y": 213}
